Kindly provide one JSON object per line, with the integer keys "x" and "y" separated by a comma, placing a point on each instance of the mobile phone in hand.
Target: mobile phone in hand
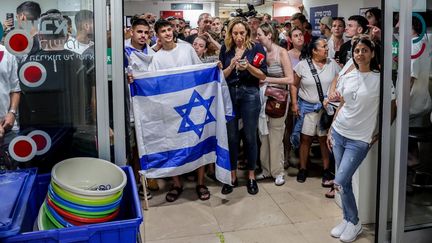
{"x": 10, "y": 16}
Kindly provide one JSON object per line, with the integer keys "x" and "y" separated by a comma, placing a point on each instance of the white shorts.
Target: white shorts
{"x": 311, "y": 125}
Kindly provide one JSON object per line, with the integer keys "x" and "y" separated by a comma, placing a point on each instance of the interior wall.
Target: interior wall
{"x": 346, "y": 8}
{"x": 132, "y": 8}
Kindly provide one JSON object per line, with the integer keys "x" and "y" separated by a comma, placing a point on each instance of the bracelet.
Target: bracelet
{"x": 14, "y": 113}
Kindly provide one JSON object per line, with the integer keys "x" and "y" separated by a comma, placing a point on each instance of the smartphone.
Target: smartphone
{"x": 10, "y": 16}
{"x": 242, "y": 61}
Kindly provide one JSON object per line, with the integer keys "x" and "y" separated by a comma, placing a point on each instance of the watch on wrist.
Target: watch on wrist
{"x": 14, "y": 113}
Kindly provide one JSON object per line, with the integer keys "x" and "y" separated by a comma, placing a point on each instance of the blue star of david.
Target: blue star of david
{"x": 196, "y": 100}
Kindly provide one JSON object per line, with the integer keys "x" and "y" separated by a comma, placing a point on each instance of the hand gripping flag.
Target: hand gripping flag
{"x": 180, "y": 120}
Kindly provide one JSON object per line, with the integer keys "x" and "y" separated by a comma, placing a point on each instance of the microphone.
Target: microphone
{"x": 258, "y": 59}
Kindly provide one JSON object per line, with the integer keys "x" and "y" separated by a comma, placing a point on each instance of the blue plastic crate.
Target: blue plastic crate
{"x": 124, "y": 229}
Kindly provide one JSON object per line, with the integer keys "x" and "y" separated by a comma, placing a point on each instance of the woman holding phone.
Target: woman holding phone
{"x": 244, "y": 65}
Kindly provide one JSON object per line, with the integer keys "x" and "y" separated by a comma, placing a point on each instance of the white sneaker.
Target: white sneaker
{"x": 351, "y": 232}
{"x": 279, "y": 181}
{"x": 337, "y": 231}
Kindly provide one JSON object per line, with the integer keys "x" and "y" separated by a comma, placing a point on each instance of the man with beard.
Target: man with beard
{"x": 84, "y": 36}
{"x": 205, "y": 21}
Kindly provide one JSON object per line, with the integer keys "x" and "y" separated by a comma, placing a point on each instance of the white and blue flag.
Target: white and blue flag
{"x": 180, "y": 120}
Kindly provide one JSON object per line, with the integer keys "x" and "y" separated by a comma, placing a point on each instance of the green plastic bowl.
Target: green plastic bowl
{"x": 71, "y": 197}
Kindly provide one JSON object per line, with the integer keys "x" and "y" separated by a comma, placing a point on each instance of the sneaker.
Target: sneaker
{"x": 279, "y": 181}
{"x": 351, "y": 232}
{"x": 302, "y": 175}
{"x": 263, "y": 175}
{"x": 337, "y": 231}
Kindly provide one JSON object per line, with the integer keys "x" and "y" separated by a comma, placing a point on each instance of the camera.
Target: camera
{"x": 239, "y": 12}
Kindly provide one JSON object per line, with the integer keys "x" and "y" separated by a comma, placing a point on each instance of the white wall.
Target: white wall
{"x": 136, "y": 7}
{"x": 346, "y": 8}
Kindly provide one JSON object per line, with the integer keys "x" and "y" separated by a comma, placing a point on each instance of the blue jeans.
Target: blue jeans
{"x": 247, "y": 105}
{"x": 348, "y": 155}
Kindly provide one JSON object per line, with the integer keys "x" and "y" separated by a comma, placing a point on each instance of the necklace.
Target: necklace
{"x": 361, "y": 77}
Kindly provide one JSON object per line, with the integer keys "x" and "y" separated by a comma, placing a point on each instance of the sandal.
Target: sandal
{"x": 173, "y": 194}
{"x": 330, "y": 193}
{"x": 202, "y": 192}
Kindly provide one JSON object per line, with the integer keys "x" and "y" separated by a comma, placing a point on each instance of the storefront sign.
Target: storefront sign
{"x": 316, "y": 13}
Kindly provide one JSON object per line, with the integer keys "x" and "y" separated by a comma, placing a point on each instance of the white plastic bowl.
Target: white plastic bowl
{"x": 83, "y": 175}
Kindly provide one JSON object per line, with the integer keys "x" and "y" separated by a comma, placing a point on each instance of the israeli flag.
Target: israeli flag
{"x": 180, "y": 120}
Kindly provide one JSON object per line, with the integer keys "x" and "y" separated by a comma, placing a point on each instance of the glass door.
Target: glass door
{"x": 55, "y": 95}
{"x": 406, "y": 168}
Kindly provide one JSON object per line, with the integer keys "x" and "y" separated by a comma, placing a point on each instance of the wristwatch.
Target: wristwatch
{"x": 14, "y": 113}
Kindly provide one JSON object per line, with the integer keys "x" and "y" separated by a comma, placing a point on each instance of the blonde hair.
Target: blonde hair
{"x": 228, "y": 38}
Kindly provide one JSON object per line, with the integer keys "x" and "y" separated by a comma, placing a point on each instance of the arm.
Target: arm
{"x": 329, "y": 136}
{"x": 287, "y": 69}
{"x": 9, "y": 120}
{"x": 227, "y": 71}
{"x": 293, "y": 92}
{"x": 217, "y": 44}
{"x": 252, "y": 70}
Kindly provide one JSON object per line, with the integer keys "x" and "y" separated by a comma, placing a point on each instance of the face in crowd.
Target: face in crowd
{"x": 200, "y": 46}
{"x": 321, "y": 50}
{"x": 165, "y": 34}
{"x": 254, "y": 24}
{"x": 363, "y": 54}
{"x": 297, "y": 37}
{"x": 263, "y": 38}
{"x": 140, "y": 34}
{"x": 176, "y": 25}
{"x": 338, "y": 28}
{"x": 205, "y": 23}
{"x": 239, "y": 34}
{"x": 216, "y": 25}
{"x": 297, "y": 23}
{"x": 352, "y": 29}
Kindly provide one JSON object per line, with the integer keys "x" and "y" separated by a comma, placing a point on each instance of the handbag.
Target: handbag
{"x": 276, "y": 103}
{"x": 326, "y": 119}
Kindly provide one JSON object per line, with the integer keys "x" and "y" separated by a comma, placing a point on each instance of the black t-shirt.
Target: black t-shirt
{"x": 243, "y": 77}
{"x": 343, "y": 52}
{"x": 191, "y": 38}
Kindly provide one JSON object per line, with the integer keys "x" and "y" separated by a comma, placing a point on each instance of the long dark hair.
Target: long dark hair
{"x": 306, "y": 52}
{"x": 367, "y": 41}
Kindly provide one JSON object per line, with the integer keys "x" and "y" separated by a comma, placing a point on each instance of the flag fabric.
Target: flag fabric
{"x": 180, "y": 120}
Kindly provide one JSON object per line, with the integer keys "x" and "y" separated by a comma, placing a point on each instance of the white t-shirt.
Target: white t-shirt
{"x": 358, "y": 117}
{"x": 420, "y": 102}
{"x": 9, "y": 81}
{"x": 308, "y": 89}
{"x": 74, "y": 45}
{"x": 182, "y": 55}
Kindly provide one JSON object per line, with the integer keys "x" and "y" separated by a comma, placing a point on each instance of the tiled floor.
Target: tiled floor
{"x": 293, "y": 212}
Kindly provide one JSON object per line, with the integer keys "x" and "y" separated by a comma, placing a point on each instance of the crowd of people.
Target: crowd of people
{"x": 335, "y": 72}
{"x": 331, "y": 81}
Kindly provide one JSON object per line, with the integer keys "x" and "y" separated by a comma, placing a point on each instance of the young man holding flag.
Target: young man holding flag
{"x": 173, "y": 55}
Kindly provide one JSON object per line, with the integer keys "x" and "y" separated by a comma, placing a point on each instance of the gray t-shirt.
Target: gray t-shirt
{"x": 308, "y": 89}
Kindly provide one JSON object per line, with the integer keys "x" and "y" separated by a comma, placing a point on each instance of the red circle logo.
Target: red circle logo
{"x": 32, "y": 74}
{"x": 18, "y": 42}
{"x": 42, "y": 141}
{"x": 22, "y": 149}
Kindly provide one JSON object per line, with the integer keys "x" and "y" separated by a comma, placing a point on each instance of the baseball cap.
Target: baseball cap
{"x": 327, "y": 20}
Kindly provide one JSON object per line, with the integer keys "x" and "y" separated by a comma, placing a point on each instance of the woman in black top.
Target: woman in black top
{"x": 243, "y": 66}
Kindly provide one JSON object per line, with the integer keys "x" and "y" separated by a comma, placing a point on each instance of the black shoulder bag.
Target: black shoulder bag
{"x": 325, "y": 120}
